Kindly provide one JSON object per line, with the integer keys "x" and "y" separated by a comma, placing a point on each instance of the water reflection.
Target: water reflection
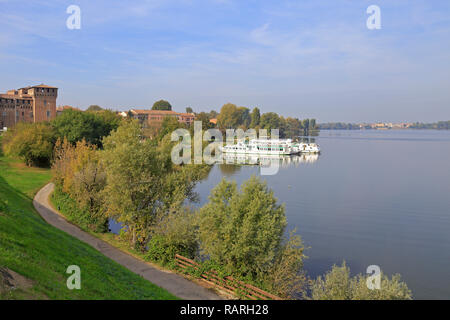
{"x": 232, "y": 160}
{"x": 228, "y": 169}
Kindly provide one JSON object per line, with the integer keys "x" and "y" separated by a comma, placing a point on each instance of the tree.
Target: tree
{"x": 337, "y": 284}
{"x": 168, "y": 125}
{"x": 174, "y": 234}
{"x": 94, "y": 107}
{"x": 189, "y": 110}
{"x": 143, "y": 184}
{"x": 305, "y": 125}
{"x": 162, "y": 105}
{"x": 293, "y": 127}
{"x": 287, "y": 277}
{"x": 79, "y": 174}
{"x": 213, "y": 114}
{"x": 270, "y": 121}
{"x": 312, "y": 124}
{"x": 242, "y": 231}
{"x": 77, "y": 125}
{"x": 229, "y": 117}
{"x": 255, "y": 117}
{"x": 133, "y": 183}
{"x": 205, "y": 119}
{"x": 244, "y": 117}
{"x": 32, "y": 142}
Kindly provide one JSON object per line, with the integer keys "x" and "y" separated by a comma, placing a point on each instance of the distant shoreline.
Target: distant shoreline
{"x": 440, "y": 125}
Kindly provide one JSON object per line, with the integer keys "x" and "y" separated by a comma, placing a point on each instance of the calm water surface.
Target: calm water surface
{"x": 371, "y": 197}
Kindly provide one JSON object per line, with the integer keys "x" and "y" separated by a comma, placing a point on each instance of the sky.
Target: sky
{"x": 304, "y": 58}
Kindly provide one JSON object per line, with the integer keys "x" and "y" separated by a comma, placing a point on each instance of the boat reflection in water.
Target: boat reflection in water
{"x": 270, "y": 160}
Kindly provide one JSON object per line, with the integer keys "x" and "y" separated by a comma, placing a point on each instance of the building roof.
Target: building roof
{"x": 39, "y": 86}
{"x": 62, "y": 108}
{"x": 44, "y": 86}
{"x": 13, "y": 96}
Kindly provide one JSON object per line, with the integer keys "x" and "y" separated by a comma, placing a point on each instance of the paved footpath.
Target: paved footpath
{"x": 172, "y": 282}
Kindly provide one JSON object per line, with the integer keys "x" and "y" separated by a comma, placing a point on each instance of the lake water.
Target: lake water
{"x": 370, "y": 198}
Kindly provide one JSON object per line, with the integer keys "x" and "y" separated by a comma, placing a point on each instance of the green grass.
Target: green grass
{"x": 42, "y": 253}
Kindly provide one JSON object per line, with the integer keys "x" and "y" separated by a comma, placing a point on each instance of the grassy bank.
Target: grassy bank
{"x": 41, "y": 254}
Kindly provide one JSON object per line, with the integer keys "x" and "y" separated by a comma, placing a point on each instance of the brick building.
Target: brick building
{"x": 29, "y": 104}
{"x": 154, "y": 118}
{"x": 60, "y": 109}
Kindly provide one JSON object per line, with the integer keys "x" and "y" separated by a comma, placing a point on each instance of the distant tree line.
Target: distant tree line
{"x": 234, "y": 117}
{"x": 440, "y": 125}
{"x": 338, "y": 126}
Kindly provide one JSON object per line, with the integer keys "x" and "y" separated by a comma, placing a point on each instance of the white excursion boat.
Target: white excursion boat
{"x": 261, "y": 146}
{"x": 270, "y": 147}
{"x": 307, "y": 148}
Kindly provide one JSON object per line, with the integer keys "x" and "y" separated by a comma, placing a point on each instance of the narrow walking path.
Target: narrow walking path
{"x": 172, "y": 282}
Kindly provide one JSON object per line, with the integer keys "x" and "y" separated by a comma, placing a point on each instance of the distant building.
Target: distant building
{"x": 154, "y": 118}
{"x": 213, "y": 121}
{"x": 29, "y": 104}
{"x": 60, "y": 109}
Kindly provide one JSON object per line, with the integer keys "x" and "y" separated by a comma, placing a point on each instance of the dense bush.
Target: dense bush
{"x": 75, "y": 125}
{"x": 80, "y": 177}
{"x": 32, "y": 142}
{"x": 174, "y": 234}
{"x": 337, "y": 284}
{"x": 73, "y": 212}
{"x": 244, "y": 232}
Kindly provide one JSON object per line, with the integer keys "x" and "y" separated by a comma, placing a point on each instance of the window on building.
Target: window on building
{"x": 48, "y": 114}
{"x": 45, "y": 103}
{"x": 4, "y": 113}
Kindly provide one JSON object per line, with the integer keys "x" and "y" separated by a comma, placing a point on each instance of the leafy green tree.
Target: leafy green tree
{"x": 78, "y": 125}
{"x": 189, "y": 110}
{"x": 32, "y": 142}
{"x": 270, "y": 121}
{"x": 305, "y": 126}
{"x": 229, "y": 117}
{"x": 287, "y": 277}
{"x": 79, "y": 175}
{"x": 143, "y": 184}
{"x": 242, "y": 231}
{"x": 337, "y": 284}
{"x": 293, "y": 127}
{"x": 168, "y": 125}
{"x": 213, "y": 114}
{"x": 255, "y": 117}
{"x": 244, "y": 117}
{"x": 94, "y": 108}
{"x": 312, "y": 124}
{"x": 162, "y": 105}
{"x": 205, "y": 119}
{"x": 174, "y": 234}
{"x": 133, "y": 181}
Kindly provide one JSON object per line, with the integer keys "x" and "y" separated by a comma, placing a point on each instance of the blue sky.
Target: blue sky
{"x": 304, "y": 58}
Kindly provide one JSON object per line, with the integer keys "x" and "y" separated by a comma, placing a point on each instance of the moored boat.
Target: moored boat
{"x": 262, "y": 146}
